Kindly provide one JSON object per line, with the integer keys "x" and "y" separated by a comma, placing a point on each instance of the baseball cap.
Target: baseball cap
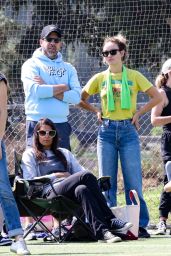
{"x": 48, "y": 29}
{"x": 166, "y": 68}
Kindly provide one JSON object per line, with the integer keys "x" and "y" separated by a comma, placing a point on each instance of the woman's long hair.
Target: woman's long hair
{"x": 161, "y": 80}
{"x": 3, "y": 77}
{"x": 38, "y": 147}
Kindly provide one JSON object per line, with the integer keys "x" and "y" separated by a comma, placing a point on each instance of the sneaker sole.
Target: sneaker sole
{"x": 145, "y": 236}
{"x": 20, "y": 254}
{"x": 125, "y": 228}
{"x": 5, "y": 243}
{"x": 110, "y": 241}
{"x": 114, "y": 240}
{"x": 160, "y": 232}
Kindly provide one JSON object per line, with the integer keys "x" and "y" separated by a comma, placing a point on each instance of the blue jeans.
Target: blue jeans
{"x": 9, "y": 207}
{"x": 119, "y": 139}
{"x": 64, "y": 132}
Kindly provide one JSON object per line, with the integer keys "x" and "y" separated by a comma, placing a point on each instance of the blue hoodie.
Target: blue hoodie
{"x": 39, "y": 100}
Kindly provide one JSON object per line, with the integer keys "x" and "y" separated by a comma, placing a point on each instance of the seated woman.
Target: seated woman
{"x": 71, "y": 180}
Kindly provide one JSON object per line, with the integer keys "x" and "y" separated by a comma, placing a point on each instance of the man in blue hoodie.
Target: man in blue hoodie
{"x": 50, "y": 85}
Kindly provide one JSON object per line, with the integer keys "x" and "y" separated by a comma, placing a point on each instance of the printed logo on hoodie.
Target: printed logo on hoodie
{"x": 54, "y": 71}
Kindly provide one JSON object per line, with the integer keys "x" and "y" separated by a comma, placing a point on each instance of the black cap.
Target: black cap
{"x": 49, "y": 29}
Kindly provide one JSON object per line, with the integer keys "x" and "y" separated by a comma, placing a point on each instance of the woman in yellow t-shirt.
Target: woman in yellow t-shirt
{"x": 118, "y": 87}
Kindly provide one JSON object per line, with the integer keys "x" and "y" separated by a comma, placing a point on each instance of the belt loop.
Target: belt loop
{"x": 106, "y": 122}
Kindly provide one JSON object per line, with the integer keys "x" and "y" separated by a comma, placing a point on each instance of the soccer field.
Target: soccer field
{"x": 156, "y": 245}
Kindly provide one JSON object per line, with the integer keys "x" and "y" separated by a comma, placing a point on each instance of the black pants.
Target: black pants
{"x": 165, "y": 198}
{"x": 82, "y": 187}
{"x": 165, "y": 202}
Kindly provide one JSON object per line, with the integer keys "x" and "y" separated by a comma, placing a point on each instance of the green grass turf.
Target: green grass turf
{"x": 156, "y": 245}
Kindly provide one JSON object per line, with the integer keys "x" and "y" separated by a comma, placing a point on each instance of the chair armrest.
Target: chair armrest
{"x": 42, "y": 180}
{"x": 104, "y": 183}
{"x": 104, "y": 178}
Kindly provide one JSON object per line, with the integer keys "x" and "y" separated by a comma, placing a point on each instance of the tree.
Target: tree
{"x": 146, "y": 24}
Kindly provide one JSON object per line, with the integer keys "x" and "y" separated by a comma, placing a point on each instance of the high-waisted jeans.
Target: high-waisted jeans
{"x": 8, "y": 204}
{"x": 119, "y": 139}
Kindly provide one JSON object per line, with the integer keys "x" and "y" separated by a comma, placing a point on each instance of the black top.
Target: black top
{"x": 50, "y": 165}
{"x": 167, "y": 110}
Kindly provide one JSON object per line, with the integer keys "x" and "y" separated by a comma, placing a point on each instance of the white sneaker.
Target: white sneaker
{"x": 20, "y": 247}
{"x": 161, "y": 228}
{"x": 108, "y": 237}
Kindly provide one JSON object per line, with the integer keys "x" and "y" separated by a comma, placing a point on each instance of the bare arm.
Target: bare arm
{"x": 156, "y": 98}
{"x": 156, "y": 118}
{"x": 62, "y": 174}
{"x": 3, "y": 111}
{"x": 86, "y": 105}
{"x": 54, "y": 175}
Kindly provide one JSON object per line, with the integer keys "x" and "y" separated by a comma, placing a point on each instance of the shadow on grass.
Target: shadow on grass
{"x": 79, "y": 253}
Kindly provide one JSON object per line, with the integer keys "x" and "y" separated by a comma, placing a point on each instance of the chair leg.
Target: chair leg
{"x": 60, "y": 221}
{"x": 38, "y": 221}
{"x": 65, "y": 236}
{"x": 78, "y": 219}
{"x": 89, "y": 229}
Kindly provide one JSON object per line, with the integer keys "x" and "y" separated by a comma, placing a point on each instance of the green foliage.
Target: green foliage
{"x": 84, "y": 20}
{"x": 144, "y": 23}
{"x": 9, "y": 38}
{"x": 156, "y": 131}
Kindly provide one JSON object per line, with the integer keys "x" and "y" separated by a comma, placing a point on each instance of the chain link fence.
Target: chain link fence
{"x": 83, "y": 142}
{"x": 85, "y": 24}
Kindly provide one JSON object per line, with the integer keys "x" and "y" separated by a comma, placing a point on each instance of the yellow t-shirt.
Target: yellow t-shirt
{"x": 136, "y": 82}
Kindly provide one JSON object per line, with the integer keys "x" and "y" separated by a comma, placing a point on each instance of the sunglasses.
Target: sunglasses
{"x": 111, "y": 52}
{"x": 43, "y": 133}
{"x": 51, "y": 39}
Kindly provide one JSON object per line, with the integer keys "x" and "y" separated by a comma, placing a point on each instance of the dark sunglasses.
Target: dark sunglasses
{"x": 51, "y": 39}
{"x": 111, "y": 52}
{"x": 43, "y": 133}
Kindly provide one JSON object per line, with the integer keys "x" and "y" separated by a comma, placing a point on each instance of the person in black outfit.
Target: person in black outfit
{"x": 70, "y": 179}
{"x": 161, "y": 116}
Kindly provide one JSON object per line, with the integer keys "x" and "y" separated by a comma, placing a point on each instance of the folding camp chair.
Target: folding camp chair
{"x": 60, "y": 207}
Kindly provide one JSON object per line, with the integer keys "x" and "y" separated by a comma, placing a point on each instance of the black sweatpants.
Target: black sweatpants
{"x": 165, "y": 202}
{"x": 165, "y": 198}
{"x": 83, "y": 188}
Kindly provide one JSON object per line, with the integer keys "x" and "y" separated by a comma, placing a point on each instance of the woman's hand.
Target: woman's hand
{"x": 135, "y": 120}
{"x": 58, "y": 175}
{"x": 54, "y": 175}
{"x": 62, "y": 174}
{"x": 99, "y": 116}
